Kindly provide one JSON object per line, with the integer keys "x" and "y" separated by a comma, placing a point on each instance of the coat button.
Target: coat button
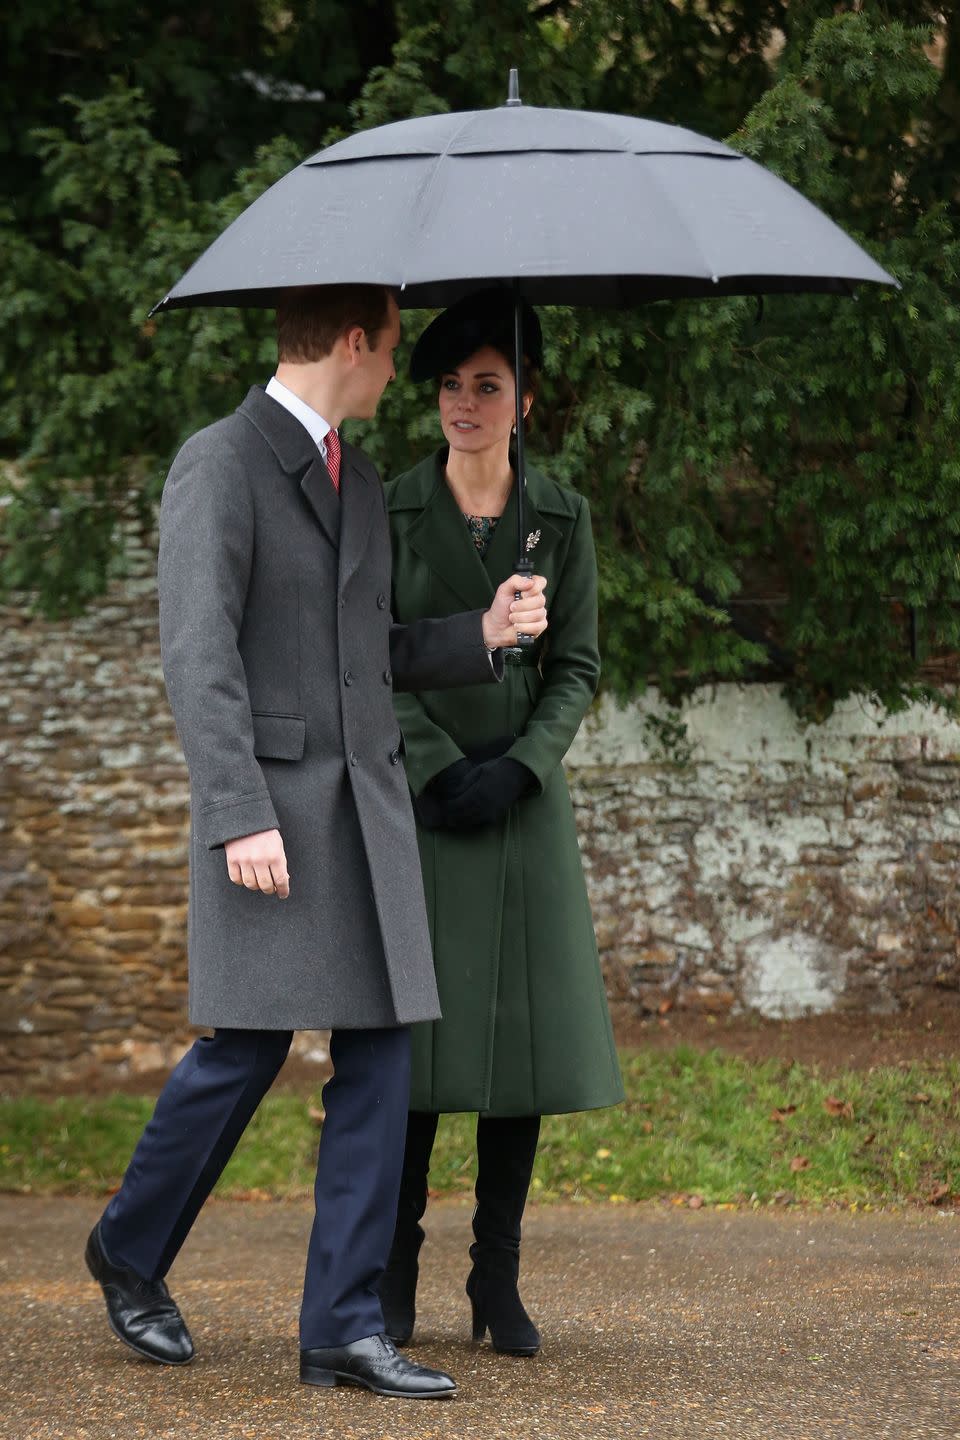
{"x": 387, "y": 677}
{"x": 354, "y": 757}
{"x": 394, "y": 757}
{"x": 381, "y": 601}
{"x": 348, "y": 677}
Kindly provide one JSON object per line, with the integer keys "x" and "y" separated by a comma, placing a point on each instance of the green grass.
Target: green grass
{"x": 694, "y": 1124}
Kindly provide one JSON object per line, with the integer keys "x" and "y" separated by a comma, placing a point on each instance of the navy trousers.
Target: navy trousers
{"x": 203, "y": 1110}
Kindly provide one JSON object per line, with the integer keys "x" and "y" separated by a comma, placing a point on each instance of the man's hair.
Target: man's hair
{"x": 311, "y": 318}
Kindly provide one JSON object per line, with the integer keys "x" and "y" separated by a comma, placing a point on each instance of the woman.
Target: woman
{"x": 525, "y": 1028}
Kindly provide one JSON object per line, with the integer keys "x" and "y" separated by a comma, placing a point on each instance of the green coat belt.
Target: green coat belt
{"x": 525, "y": 1028}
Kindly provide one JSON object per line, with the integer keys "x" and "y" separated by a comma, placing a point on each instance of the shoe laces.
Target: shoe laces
{"x": 153, "y": 1289}
{"x": 158, "y": 1298}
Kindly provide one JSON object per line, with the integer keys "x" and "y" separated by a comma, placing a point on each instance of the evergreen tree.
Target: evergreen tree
{"x": 774, "y": 493}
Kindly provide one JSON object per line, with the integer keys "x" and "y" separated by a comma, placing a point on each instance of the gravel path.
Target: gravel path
{"x": 657, "y": 1322}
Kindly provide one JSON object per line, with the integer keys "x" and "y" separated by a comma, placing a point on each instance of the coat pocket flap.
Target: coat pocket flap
{"x": 278, "y": 737}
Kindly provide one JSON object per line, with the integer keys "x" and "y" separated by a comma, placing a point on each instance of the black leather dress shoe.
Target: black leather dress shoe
{"x": 376, "y": 1364}
{"x": 141, "y": 1312}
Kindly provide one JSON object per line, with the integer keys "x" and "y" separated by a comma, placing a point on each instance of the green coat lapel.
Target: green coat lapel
{"x": 540, "y": 536}
{"x": 441, "y": 537}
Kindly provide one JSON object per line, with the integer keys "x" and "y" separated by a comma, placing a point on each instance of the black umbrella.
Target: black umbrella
{"x": 566, "y": 207}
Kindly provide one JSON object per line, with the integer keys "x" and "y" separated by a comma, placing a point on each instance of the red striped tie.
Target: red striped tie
{"x": 332, "y": 442}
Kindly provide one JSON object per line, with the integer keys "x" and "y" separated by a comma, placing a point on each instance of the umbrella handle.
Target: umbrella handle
{"x": 524, "y": 567}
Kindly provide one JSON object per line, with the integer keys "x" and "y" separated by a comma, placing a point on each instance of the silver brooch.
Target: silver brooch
{"x": 533, "y": 539}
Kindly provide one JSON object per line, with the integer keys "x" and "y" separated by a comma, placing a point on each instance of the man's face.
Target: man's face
{"x": 375, "y": 368}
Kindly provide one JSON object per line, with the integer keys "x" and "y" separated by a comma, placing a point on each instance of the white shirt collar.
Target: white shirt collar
{"x": 314, "y": 423}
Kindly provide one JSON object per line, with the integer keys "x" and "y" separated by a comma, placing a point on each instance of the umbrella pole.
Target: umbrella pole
{"x": 524, "y": 563}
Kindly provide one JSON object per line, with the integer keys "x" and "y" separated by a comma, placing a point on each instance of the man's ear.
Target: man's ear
{"x": 353, "y": 340}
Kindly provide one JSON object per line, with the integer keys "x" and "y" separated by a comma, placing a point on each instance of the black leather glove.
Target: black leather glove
{"x": 483, "y": 795}
{"x": 431, "y": 805}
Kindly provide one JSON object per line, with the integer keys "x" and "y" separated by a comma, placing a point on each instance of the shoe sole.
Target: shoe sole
{"x": 144, "y": 1354}
{"x": 527, "y": 1352}
{"x": 312, "y": 1375}
{"x": 88, "y": 1256}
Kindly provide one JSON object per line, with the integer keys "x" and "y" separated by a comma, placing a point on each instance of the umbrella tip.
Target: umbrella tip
{"x": 513, "y": 88}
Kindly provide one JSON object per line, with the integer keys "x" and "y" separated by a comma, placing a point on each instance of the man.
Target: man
{"x": 306, "y": 899}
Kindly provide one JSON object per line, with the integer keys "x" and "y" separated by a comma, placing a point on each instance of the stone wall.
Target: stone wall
{"x": 93, "y": 799}
{"x": 778, "y": 868}
{"x": 765, "y": 866}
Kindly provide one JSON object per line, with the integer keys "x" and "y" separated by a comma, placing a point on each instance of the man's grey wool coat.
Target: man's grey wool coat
{"x": 280, "y": 660}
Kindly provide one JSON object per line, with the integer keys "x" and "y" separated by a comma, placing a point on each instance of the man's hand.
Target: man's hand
{"x": 507, "y": 616}
{"x": 258, "y": 862}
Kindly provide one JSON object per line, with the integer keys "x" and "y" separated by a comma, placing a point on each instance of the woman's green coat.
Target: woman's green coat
{"x": 525, "y": 1027}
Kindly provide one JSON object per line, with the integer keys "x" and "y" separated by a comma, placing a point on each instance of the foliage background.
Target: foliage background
{"x": 774, "y": 494}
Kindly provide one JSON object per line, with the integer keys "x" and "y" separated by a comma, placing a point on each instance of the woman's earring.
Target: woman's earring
{"x": 513, "y": 428}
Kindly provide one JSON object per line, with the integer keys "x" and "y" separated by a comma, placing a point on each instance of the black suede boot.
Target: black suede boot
{"x": 398, "y": 1283}
{"x": 506, "y": 1147}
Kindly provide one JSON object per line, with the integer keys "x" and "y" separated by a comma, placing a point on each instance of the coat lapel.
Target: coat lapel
{"x": 441, "y": 537}
{"x": 359, "y": 497}
{"x": 501, "y": 557}
{"x": 320, "y": 495}
{"x": 298, "y": 456}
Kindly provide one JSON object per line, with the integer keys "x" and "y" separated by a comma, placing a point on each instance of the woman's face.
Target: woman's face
{"x": 477, "y": 402}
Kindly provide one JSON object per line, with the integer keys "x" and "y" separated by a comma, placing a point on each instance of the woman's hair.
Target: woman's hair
{"x": 311, "y": 318}
{"x": 531, "y": 375}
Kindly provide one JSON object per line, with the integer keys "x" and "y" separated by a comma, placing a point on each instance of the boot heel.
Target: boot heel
{"x": 497, "y": 1307}
{"x": 479, "y": 1323}
{"x": 314, "y": 1375}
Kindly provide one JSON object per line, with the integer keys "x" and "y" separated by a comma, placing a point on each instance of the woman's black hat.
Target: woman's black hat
{"x": 485, "y": 317}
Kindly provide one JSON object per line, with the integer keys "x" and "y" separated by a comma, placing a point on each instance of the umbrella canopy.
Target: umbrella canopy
{"x": 582, "y": 208}
{"x": 567, "y": 207}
